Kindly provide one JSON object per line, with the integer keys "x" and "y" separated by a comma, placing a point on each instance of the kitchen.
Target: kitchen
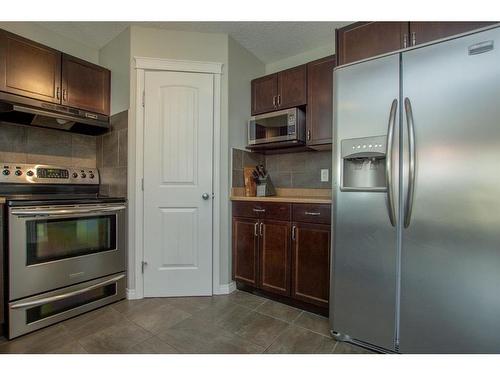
{"x": 188, "y": 187}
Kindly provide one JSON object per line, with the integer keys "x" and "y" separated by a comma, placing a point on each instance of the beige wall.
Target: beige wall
{"x": 301, "y": 58}
{"x": 116, "y": 57}
{"x": 34, "y": 31}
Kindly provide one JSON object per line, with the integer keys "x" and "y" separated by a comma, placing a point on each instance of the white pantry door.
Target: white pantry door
{"x": 178, "y": 141}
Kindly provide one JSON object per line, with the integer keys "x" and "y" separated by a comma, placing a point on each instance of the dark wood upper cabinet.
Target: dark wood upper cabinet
{"x": 292, "y": 87}
{"x": 311, "y": 263}
{"x": 366, "y": 39}
{"x": 319, "y": 117}
{"x": 281, "y": 90}
{"x": 29, "y": 69}
{"x": 264, "y": 94}
{"x": 423, "y": 32}
{"x": 245, "y": 250}
{"x": 275, "y": 256}
{"x": 85, "y": 85}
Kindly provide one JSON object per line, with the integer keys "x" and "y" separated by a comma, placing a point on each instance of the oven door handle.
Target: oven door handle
{"x": 58, "y": 297}
{"x": 72, "y": 211}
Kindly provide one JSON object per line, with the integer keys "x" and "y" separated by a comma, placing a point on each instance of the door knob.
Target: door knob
{"x": 205, "y": 196}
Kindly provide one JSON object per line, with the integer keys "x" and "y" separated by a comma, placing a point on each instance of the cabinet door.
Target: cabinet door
{"x": 423, "y": 32}
{"x": 292, "y": 87}
{"x": 275, "y": 256}
{"x": 29, "y": 69}
{"x": 264, "y": 94}
{"x": 85, "y": 86}
{"x": 319, "y": 120}
{"x": 245, "y": 250}
{"x": 311, "y": 263}
{"x": 366, "y": 39}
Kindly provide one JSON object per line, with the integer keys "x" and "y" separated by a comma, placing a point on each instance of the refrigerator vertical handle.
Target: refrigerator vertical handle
{"x": 411, "y": 169}
{"x": 388, "y": 162}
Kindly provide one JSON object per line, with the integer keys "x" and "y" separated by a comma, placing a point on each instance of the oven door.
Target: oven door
{"x": 56, "y": 246}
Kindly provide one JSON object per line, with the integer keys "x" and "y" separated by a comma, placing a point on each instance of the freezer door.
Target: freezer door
{"x": 450, "y": 302}
{"x": 362, "y": 303}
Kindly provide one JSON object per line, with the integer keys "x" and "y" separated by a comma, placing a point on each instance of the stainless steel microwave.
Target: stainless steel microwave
{"x": 286, "y": 127}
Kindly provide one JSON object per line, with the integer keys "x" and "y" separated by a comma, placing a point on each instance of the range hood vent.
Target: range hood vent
{"x": 54, "y": 117}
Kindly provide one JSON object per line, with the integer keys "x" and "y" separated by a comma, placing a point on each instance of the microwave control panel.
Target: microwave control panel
{"x": 47, "y": 174}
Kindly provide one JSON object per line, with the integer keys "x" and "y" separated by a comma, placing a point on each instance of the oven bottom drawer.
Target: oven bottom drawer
{"x": 40, "y": 311}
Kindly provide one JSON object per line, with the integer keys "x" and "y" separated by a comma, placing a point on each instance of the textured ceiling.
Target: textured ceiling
{"x": 268, "y": 41}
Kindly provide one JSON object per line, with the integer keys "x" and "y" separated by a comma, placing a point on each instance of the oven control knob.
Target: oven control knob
{"x": 6, "y": 172}
{"x": 75, "y": 175}
{"x": 83, "y": 175}
{"x": 91, "y": 175}
{"x": 18, "y": 172}
{"x": 30, "y": 173}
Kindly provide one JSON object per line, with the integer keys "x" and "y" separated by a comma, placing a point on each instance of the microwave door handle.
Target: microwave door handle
{"x": 388, "y": 162}
{"x": 59, "y": 297}
{"x": 56, "y": 212}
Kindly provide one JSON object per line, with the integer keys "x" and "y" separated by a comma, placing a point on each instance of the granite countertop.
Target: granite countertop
{"x": 318, "y": 196}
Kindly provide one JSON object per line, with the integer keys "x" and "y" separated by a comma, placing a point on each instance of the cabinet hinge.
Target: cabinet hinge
{"x": 142, "y": 184}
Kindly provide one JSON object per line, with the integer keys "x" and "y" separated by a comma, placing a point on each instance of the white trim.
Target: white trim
{"x": 131, "y": 294}
{"x": 136, "y": 161}
{"x": 150, "y": 63}
{"x": 226, "y": 288}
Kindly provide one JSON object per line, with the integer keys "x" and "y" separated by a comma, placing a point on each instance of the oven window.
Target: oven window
{"x": 54, "y": 239}
{"x": 52, "y": 308}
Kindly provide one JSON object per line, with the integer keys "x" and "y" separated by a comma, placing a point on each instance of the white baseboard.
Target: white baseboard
{"x": 131, "y": 294}
{"x": 226, "y": 288}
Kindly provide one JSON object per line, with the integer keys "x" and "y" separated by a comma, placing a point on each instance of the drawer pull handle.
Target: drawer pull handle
{"x": 312, "y": 213}
{"x": 259, "y": 210}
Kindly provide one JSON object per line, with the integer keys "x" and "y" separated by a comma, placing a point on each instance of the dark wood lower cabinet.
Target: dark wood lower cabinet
{"x": 311, "y": 263}
{"x": 275, "y": 256}
{"x": 245, "y": 250}
{"x": 283, "y": 251}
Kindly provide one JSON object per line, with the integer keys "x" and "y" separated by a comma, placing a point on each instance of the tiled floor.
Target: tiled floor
{"x": 236, "y": 323}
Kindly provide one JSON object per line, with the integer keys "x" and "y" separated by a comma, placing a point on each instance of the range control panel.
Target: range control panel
{"x": 47, "y": 174}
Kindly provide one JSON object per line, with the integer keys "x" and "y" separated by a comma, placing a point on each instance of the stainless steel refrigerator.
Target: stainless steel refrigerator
{"x": 416, "y": 250}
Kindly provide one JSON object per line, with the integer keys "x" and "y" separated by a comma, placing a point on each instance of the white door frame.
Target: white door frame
{"x": 136, "y": 157}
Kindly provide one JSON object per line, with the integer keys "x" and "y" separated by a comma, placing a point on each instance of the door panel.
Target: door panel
{"x": 450, "y": 255}
{"x": 264, "y": 94}
{"x": 423, "y": 32}
{"x": 177, "y": 172}
{"x": 367, "y": 39}
{"x": 310, "y": 263}
{"x": 363, "y": 296}
{"x": 29, "y": 69}
{"x": 320, "y": 101}
{"x": 292, "y": 87}
{"x": 85, "y": 85}
{"x": 245, "y": 250}
{"x": 275, "y": 256}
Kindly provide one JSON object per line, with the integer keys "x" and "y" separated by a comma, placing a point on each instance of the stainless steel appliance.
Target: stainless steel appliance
{"x": 65, "y": 244}
{"x": 281, "y": 128}
{"x": 416, "y": 253}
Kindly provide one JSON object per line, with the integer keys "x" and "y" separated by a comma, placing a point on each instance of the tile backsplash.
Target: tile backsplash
{"x": 292, "y": 170}
{"x": 29, "y": 144}
{"x": 111, "y": 150}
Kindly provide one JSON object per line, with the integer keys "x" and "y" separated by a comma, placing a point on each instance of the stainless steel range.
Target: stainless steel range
{"x": 66, "y": 247}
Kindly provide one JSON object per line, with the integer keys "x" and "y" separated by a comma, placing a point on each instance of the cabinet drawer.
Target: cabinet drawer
{"x": 263, "y": 210}
{"x": 312, "y": 213}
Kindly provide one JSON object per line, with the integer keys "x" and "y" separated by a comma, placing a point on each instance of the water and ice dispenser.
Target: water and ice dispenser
{"x": 363, "y": 164}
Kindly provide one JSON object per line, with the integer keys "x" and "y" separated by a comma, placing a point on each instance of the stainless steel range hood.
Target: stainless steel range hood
{"x": 53, "y": 116}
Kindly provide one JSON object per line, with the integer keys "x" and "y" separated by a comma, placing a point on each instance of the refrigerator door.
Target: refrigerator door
{"x": 363, "y": 293}
{"x": 450, "y": 259}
